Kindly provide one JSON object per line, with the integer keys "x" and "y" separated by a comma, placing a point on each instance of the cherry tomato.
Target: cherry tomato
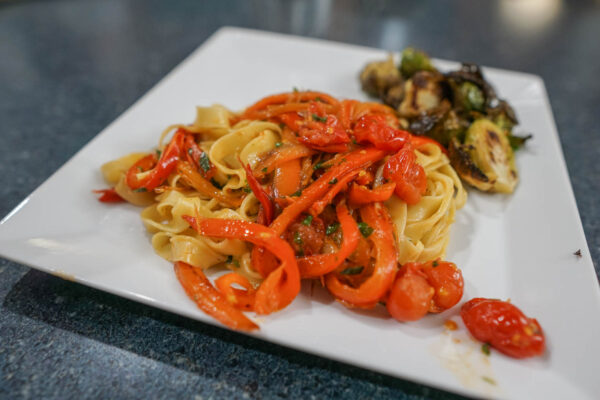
{"x": 447, "y": 281}
{"x": 504, "y": 327}
{"x": 411, "y": 294}
{"x": 374, "y": 129}
{"x": 410, "y": 177}
{"x": 324, "y": 134}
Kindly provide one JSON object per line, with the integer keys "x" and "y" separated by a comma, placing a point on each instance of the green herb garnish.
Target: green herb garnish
{"x": 247, "y": 189}
{"x": 308, "y": 220}
{"x": 140, "y": 169}
{"x": 331, "y": 229}
{"x": 435, "y": 263}
{"x": 204, "y": 162}
{"x": 318, "y": 165}
{"x": 297, "y": 193}
{"x": 264, "y": 170}
{"x": 365, "y": 229}
{"x": 297, "y": 238}
{"x": 320, "y": 119}
{"x": 158, "y": 153}
{"x": 278, "y": 144}
{"x": 333, "y": 181}
{"x": 485, "y": 349}
{"x": 141, "y": 190}
{"x": 353, "y": 270}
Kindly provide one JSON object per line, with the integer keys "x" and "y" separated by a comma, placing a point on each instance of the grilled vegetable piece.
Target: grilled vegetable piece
{"x": 383, "y": 80}
{"x": 486, "y": 159}
{"x": 414, "y": 60}
{"x": 423, "y": 93}
{"x": 469, "y": 97}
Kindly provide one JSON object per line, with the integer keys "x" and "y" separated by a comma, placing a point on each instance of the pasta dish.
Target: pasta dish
{"x": 299, "y": 185}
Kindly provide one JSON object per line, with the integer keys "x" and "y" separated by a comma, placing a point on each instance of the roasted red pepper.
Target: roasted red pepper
{"x": 209, "y": 300}
{"x": 261, "y": 195}
{"x": 321, "y": 264}
{"x": 109, "y": 196}
{"x": 148, "y": 174}
{"x": 283, "y": 284}
{"x": 240, "y": 298}
{"x": 384, "y": 271}
{"x": 359, "y": 194}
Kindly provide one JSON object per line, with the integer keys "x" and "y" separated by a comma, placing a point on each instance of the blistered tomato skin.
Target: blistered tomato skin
{"x": 411, "y": 294}
{"x": 447, "y": 281}
{"x": 504, "y": 327}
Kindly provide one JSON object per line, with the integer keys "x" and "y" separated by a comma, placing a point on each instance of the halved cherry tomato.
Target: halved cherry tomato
{"x": 374, "y": 129}
{"x": 504, "y": 327}
{"x": 410, "y": 177}
{"x": 109, "y": 196}
{"x": 447, "y": 281}
{"x": 411, "y": 294}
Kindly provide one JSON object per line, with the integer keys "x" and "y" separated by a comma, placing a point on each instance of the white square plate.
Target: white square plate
{"x": 518, "y": 247}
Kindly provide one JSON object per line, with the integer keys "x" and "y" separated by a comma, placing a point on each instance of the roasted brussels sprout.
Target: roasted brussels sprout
{"x": 379, "y": 78}
{"x": 486, "y": 159}
{"x": 413, "y": 61}
{"x": 470, "y": 97}
{"x": 423, "y": 92}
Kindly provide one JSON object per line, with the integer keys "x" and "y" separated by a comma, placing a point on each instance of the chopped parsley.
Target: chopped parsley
{"x": 353, "y": 270}
{"x": 435, "y": 263}
{"x": 247, "y": 189}
{"x": 141, "y": 190}
{"x": 297, "y": 238}
{"x": 333, "y": 181}
{"x": 319, "y": 165}
{"x": 158, "y": 153}
{"x": 264, "y": 170}
{"x": 485, "y": 349}
{"x": 204, "y": 162}
{"x": 295, "y": 89}
{"x": 140, "y": 168}
{"x": 331, "y": 229}
{"x": 298, "y": 193}
{"x": 308, "y": 220}
{"x": 320, "y": 119}
{"x": 319, "y": 99}
{"x": 278, "y": 144}
{"x": 365, "y": 229}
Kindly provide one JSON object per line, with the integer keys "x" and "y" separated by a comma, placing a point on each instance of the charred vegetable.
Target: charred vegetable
{"x": 459, "y": 109}
{"x": 486, "y": 159}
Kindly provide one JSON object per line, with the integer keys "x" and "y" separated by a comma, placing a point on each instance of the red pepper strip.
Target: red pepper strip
{"x": 260, "y": 194}
{"x": 289, "y": 97}
{"x": 287, "y": 178}
{"x": 196, "y": 156}
{"x": 279, "y": 156}
{"x": 150, "y": 179}
{"x": 209, "y": 300}
{"x": 193, "y": 178}
{"x": 109, "y": 196}
{"x": 281, "y": 286}
{"x": 386, "y": 264}
{"x": 274, "y": 111}
{"x": 242, "y": 299}
{"x": 355, "y": 160}
{"x": 359, "y": 194}
{"x": 346, "y": 113}
{"x": 262, "y": 261}
{"x": 321, "y": 264}
{"x": 336, "y": 186}
{"x": 418, "y": 141}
